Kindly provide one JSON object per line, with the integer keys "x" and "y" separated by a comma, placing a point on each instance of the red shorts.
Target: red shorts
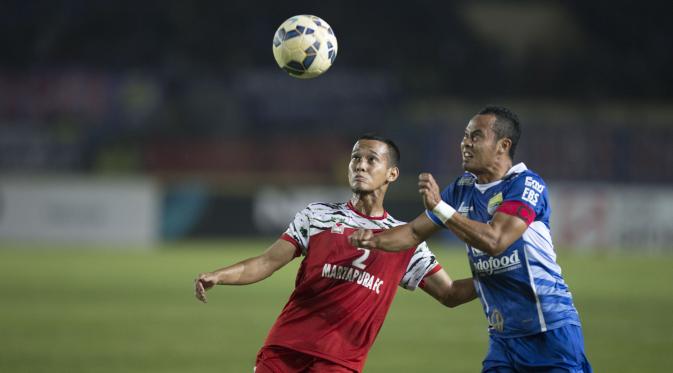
{"x": 276, "y": 359}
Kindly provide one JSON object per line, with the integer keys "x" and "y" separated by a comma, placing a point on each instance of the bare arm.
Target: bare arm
{"x": 449, "y": 293}
{"x": 248, "y": 271}
{"x": 399, "y": 238}
{"x": 492, "y": 238}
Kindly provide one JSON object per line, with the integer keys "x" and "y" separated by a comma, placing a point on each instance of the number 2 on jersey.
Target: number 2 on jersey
{"x": 360, "y": 261}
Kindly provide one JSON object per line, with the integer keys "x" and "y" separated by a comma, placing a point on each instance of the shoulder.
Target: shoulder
{"x": 321, "y": 210}
{"x": 532, "y": 175}
{"x": 325, "y": 207}
{"x": 526, "y": 178}
{"x": 525, "y": 186}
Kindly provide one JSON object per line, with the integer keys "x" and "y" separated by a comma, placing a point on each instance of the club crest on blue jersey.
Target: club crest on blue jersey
{"x": 494, "y": 203}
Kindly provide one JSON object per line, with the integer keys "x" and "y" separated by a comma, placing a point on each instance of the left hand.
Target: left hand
{"x": 429, "y": 190}
{"x": 202, "y": 283}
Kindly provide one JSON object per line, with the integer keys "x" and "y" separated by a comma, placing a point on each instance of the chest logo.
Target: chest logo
{"x": 464, "y": 209}
{"x": 338, "y": 228}
{"x": 494, "y": 203}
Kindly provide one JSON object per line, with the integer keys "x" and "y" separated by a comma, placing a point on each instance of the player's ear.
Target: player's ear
{"x": 504, "y": 145}
{"x": 393, "y": 174}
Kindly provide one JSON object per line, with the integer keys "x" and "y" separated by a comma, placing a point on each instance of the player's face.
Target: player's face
{"x": 479, "y": 145}
{"x": 369, "y": 168}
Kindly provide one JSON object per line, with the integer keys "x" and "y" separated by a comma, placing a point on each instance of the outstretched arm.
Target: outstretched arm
{"x": 399, "y": 238}
{"x": 248, "y": 271}
{"x": 449, "y": 293}
{"x": 492, "y": 238}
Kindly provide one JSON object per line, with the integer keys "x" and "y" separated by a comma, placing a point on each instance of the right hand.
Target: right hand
{"x": 429, "y": 190}
{"x": 202, "y": 283}
{"x": 363, "y": 238}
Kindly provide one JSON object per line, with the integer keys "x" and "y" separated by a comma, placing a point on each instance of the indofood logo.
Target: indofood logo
{"x": 494, "y": 265}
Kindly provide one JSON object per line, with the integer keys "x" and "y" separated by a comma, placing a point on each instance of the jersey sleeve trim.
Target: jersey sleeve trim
{"x": 288, "y": 238}
{"x": 431, "y": 272}
{"x": 434, "y": 218}
{"x": 518, "y": 209}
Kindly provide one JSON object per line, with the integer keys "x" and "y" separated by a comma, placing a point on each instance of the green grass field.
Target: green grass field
{"x": 122, "y": 311}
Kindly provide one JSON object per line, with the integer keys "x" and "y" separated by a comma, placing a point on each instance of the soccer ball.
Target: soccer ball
{"x": 304, "y": 46}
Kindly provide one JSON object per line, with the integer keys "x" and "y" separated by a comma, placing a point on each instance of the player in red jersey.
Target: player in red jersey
{"x": 342, "y": 293}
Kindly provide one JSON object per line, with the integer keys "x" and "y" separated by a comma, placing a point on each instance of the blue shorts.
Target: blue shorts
{"x": 555, "y": 351}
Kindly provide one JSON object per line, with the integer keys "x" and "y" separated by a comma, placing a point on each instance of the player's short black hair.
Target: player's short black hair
{"x": 506, "y": 125}
{"x": 393, "y": 150}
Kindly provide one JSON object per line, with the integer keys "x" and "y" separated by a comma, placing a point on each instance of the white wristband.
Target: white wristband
{"x": 443, "y": 211}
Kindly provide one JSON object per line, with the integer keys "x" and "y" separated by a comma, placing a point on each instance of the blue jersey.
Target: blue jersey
{"x": 521, "y": 290}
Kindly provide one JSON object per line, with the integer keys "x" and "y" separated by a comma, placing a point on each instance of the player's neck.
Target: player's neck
{"x": 494, "y": 172}
{"x": 369, "y": 204}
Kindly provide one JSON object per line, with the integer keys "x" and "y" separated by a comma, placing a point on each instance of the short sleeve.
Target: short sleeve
{"x": 297, "y": 231}
{"x": 447, "y": 196}
{"x": 422, "y": 263}
{"x": 528, "y": 189}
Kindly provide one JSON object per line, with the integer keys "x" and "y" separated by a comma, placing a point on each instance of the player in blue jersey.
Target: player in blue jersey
{"x": 503, "y": 217}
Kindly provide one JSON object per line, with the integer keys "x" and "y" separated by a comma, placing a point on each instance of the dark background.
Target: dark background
{"x": 188, "y": 92}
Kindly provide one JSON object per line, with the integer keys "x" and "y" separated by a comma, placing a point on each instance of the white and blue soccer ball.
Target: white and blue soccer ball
{"x": 304, "y": 46}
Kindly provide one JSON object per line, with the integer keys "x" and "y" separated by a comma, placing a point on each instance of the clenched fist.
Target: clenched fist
{"x": 429, "y": 190}
{"x": 363, "y": 238}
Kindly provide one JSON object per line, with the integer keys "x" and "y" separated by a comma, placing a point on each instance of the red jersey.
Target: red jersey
{"x": 342, "y": 293}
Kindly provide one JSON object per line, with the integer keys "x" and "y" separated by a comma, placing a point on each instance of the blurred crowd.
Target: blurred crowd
{"x": 180, "y": 88}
